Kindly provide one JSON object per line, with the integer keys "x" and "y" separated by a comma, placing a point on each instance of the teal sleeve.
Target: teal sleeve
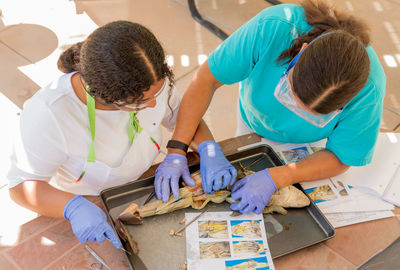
{"x": 234, "y": 59}
{"x": 353, "y": 139}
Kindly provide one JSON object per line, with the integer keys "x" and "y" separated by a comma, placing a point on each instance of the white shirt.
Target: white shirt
{"x": 54, "y": 138}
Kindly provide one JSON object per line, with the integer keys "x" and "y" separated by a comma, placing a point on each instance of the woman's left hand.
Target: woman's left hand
{"x": 168, "y": 174}
{"x": 254, "y": 191}
{"x": 216, "y": 171}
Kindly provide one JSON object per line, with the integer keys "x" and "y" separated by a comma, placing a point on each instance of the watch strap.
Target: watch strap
{"x": 177, "y": 145}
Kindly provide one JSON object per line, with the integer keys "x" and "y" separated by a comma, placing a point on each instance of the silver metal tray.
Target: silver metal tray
{"x": 298, "y": 229}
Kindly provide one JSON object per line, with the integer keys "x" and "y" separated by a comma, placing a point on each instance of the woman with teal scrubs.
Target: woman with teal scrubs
{"x": 306, "y": 73}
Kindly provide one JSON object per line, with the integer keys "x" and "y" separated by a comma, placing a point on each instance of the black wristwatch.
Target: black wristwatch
{"x": 177, "y": 145}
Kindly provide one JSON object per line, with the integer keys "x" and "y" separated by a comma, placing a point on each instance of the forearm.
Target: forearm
{"x": 41, "y": 197}
{"x": 320, "y": 165}
{"x": 194, "y": 104}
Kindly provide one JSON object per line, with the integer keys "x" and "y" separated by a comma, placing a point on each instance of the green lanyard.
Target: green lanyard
{"x": 134, "y": 126}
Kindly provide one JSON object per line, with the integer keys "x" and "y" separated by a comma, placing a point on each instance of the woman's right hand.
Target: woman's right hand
{"x": 89, "y": 222}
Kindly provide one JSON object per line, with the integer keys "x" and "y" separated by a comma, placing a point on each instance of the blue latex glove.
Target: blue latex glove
{"x": 168, "y": 173}
{"x": 216, "y": 171}
{"x": 254, "y": 192}
{"x": 89, "y": 222}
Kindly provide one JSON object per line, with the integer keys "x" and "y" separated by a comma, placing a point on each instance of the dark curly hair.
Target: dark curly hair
{"x": 119, "y": 61}
{"x": 334, "y": 68}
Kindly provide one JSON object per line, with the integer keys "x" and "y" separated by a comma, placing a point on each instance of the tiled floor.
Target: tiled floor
{"x": 32, "y": 35}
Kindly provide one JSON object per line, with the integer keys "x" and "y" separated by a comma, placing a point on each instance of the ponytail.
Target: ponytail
{"x": 69, "y": 60}
{"x": 324, "y": 18}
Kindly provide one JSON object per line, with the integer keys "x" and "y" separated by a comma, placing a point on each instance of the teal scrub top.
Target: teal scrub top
{"x": 249, "y": 56}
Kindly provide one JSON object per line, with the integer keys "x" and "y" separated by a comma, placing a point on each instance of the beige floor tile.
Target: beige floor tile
{"x": 15, "y": 85}
{"x": 181, "y": 36}
{"x": 5, "y": 264}
{"x": 33, "y": 42}
{"x": 230, "y": 14}
{"x": 392, "y": 97}
{"x": 34, "y": 227}
{"x": 296, "y": 2}
{"x": 390, "y": 120}
{"x": 360, "y": 241}
{"x": 317, "y": 257}
{"x": 79, "y": 257}
{"x": 44, "y": 248}
{"x": 2, "y": 26}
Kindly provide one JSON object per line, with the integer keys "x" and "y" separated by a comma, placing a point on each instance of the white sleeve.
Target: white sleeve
{"x": 39, "y": 146}
{"x": 171, "y": 114}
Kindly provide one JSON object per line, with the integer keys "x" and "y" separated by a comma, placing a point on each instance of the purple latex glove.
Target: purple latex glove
{"x": 168, "y": 173}
{"x": 89, "y": 222}
{"x": 254, "y": 192}
{"x": 216, "y": 171}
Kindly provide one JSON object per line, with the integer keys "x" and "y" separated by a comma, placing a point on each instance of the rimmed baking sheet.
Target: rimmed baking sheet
{"x": 298, "y": 229}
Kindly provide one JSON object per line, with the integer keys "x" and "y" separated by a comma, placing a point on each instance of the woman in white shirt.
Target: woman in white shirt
{"x": 95, "y": 127}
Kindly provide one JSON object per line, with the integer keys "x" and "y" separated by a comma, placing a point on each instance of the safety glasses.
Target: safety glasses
{"x": 142, "y": 104}
{"x": 285, "y": 95}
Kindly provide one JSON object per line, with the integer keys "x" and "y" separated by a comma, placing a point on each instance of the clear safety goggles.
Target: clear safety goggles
{"x": 144, "y": 103}
{"x": 285, "y": 95}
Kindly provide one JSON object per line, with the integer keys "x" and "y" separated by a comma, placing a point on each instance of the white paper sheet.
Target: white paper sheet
{"x": 357, "y": 201}
{"x": 230, "y": 238}
{"x": 343, "y": 219}
{"x": 380, "y": 176}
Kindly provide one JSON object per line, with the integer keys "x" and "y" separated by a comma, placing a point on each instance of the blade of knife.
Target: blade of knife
{"x": 151, "y": 196}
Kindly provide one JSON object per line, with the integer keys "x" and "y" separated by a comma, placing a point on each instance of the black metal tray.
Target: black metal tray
{"x": 298, "y": 229}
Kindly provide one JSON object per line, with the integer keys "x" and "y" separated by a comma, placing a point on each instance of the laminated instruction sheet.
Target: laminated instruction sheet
{"x": 343, "y": 204}
{"x": 220, "y": 241}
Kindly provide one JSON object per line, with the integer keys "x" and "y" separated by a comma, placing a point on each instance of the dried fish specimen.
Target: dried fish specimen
{"x": 286, "y": 197}
{"x": 195, "y": 197}
{"x": 123, "y": 232}
{"x": 215, "y": 250}
{"x": 188, "y": 196}
{"x": 247, "y": 229}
